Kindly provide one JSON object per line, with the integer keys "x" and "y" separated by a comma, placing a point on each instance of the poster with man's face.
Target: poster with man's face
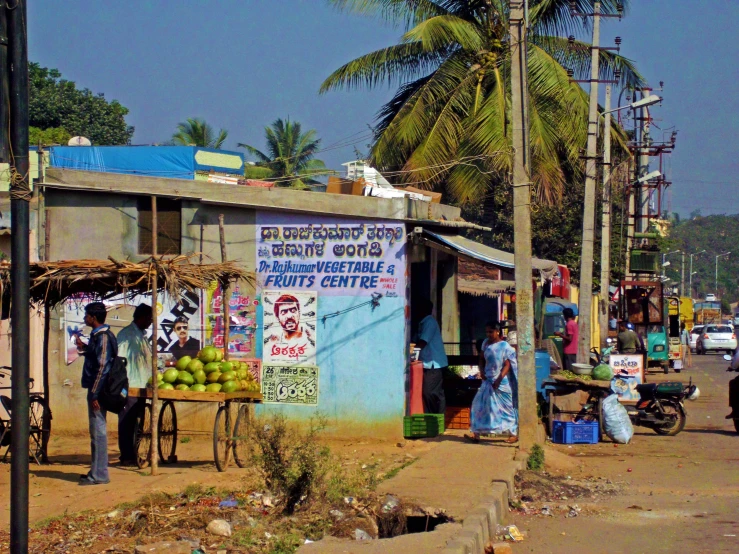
{"x": 290, "y": 326}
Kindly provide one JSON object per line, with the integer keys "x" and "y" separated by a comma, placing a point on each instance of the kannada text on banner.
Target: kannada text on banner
{"x": 285, "y": 384}
{"x": 331, "y": 256}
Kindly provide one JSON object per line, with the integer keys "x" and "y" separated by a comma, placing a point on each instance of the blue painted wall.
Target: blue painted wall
{"x": 362, "y": 361}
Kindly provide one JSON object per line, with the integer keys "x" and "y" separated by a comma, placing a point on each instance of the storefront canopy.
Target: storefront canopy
{"x": 471, "y": 249}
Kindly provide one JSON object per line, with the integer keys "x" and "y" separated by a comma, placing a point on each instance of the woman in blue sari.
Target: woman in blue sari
{"x": 495, "y": 407}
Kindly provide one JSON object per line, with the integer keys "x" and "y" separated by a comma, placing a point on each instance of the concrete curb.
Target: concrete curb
{"x": 478, "y": 528}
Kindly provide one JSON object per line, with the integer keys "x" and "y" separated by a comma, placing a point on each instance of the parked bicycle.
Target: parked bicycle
{"x": 39, "y": 421}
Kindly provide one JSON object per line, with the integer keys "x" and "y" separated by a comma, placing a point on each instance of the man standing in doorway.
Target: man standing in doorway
{"x": 569, "y": 337}
{"x": 99, "y": 354}
{"x": 434, "y": 360}
{"x": 136, "y": 348}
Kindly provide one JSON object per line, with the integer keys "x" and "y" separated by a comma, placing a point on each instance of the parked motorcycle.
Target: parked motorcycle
{"x": 661, "y": 408}
{"x": 729, "y": 359}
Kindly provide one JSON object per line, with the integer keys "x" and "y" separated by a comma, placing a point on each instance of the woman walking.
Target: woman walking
{"x": 495, "y": 407}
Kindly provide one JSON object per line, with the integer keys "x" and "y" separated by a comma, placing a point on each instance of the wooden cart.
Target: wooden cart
{"x": 228, "y": 438}
{"x": 592, "y": 410}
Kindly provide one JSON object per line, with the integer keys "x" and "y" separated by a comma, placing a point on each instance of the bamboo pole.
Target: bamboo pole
{"x": 46, "y": 418}
{"x": 154, "y": 447}
{"x": 226, "y": 291}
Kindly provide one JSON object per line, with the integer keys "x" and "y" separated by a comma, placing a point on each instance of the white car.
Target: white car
{"x": 710, "y": 298}
{"x": 716, "y": 337}
{"x": 694, "y": 334}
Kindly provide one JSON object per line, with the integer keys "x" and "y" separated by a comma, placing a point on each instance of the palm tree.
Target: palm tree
{"x": 290, "y": 155}
{"x": 449, "y": 121}
{"x": 196, "y": 132}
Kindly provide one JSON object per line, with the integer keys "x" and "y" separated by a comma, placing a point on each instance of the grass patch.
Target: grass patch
{"x": 393, "y": 472}
{"x": 535, "y": 461}
{"x": 185, "y": 440}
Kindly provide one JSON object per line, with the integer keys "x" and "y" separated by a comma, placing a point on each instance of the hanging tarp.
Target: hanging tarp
{"x": 174, "y": 162}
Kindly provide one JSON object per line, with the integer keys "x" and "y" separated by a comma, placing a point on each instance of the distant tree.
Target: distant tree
{"x": 290, "y": 154}
{"x": 56, "y": 103}
{"x": 196, "y": 132}
{"x": 54, "y": 135}
{"x": 694, "y": 214}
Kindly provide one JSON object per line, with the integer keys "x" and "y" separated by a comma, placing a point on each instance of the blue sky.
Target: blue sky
{"x": 240, "y": 64}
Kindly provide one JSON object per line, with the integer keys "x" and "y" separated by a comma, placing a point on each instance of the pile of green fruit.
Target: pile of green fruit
{"x": 208, "y": 373}
{"x": 570, "y": 375}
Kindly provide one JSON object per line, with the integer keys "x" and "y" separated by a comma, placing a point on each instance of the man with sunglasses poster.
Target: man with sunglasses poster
{"x": 185, "y": 345}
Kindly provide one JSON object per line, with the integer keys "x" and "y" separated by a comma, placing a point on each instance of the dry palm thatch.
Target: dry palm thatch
{"x": 54, "y": 282}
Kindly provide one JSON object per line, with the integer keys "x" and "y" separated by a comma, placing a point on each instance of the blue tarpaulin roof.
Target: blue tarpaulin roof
{"x": 179, "y": 162}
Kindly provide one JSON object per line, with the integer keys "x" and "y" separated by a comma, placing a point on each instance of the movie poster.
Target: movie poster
{"x": 180, "y": 326}
{"x": 288, "y": 384}
{"x": 290, "y": 330}
{"x": 243, "y": 323}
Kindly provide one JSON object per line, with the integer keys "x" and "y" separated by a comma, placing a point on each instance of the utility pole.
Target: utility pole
{"x": 715, "y": 283}
{"x": 682, "y": 274}
{"x": 691, "y": 271}
{"x": 4, "y": 90}
{"x": 527, "y": 417}
{"x": 20, "y": 196}
{"x": 588, "y": 223}
{"x": 605, "y": 241}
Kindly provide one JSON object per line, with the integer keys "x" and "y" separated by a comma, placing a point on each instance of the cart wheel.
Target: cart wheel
{"x": 241, "y": 436}
{"x": 550, "y": 420}
{"x": 142, "y": 438}
{"x": 222, "y": 438}
{"x": 167, "y": 433}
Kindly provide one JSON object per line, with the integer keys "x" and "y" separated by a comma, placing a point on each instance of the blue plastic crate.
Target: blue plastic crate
{"x": 569, "y": 432}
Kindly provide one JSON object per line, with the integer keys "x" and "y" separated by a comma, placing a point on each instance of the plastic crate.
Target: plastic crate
{"x": 569, "y": 432}
{"x": 457, "y": 418}
{"x": 423, "y": 425}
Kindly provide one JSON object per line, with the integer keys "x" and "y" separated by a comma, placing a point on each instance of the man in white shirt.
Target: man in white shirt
{"x": 434, "y": 360}
{"x": 136, "y": 348}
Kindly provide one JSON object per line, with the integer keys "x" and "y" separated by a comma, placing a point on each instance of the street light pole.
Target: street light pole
{"x": 605, "y": 240}
{"x": 693, "y": 272}
{"x": 588, "y": 224}
{"x": 715, "y": 285}
{"x": 682, "y": 274}
{"x": 528, "y": 419}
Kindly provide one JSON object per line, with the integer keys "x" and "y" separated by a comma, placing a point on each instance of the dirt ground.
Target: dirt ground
{"x": 54, "y": 488}
{"x": 657, "y": 494}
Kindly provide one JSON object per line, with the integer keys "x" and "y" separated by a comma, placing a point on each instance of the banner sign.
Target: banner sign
{"x": 287, "y": 384}
{"x": 334, "y": 256}
{"x": 290, "y": 330}
{"x": 628, "y": 371}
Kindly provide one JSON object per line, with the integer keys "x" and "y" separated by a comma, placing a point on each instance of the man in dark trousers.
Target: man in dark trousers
{"x": 434, "y": 360}
{"x": 134, "y": 345}
{"x": 99, "y": 354}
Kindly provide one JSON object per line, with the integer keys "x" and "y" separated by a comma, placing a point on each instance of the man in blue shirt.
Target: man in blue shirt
{"x": 434, "y": 360}
{"x": 99, "y": 354}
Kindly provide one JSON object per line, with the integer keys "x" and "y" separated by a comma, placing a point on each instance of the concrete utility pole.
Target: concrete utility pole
{"x": 682, "y": 274}
{"x": 588, "y": 224}
{"x": 527, "y": 419}
{"x": 605, "y": 241}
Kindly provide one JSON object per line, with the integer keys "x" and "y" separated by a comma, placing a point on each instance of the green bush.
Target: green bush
{"x": 535, "y": 461}
{"x": 291, "y": 461}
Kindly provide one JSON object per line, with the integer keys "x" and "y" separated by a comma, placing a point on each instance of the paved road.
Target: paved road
{"x": 686, "y": 487}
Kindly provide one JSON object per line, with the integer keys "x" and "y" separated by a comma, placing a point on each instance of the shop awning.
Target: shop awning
{"x": 485, "y": 287}
{"x": 471, "y": 249}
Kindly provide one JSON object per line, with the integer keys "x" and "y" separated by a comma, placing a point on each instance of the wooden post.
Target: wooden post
{"x": 226, "y": 290}
{"x": 46, "y": 419}
{"x": 154, "y": 448}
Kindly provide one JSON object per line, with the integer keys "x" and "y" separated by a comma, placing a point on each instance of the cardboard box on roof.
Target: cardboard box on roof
{"x": 337, "y": 185}
{"x": 435, "y": 196}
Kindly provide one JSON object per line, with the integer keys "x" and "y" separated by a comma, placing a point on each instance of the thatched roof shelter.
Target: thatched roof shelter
{"x": 52, "y": 283}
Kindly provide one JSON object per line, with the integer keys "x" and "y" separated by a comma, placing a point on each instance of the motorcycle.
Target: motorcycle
{"x": 661, "y": 406}
{"x": 729, "y": 359}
